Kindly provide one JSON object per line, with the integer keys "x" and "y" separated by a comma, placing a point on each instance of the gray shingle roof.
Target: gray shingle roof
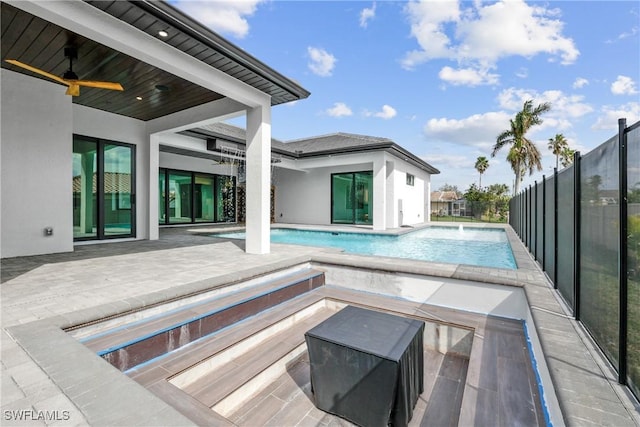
{"x": 335, "y": 143}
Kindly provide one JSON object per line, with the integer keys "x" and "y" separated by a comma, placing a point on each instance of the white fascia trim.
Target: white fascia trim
{"x": 90, "y": 22}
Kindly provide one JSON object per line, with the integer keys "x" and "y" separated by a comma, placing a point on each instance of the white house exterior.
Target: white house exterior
{"x": 52, "y": 143}
{"x": 331, "y": 179}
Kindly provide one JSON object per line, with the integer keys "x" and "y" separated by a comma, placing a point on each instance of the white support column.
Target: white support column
{"x": 392, "y": 219}
{"x": 258, "y": 181}
{"x": 427, "y": 199}
{"x": 379, "y": 193}
{"x": 154, "y": 191}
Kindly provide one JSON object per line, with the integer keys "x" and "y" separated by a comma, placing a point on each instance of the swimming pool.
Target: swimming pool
{"x": 475, "y": 246}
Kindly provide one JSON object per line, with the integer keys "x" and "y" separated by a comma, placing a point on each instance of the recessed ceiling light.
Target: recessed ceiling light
{"x": 139, "y": 98}
{"x": 163, "y": 33}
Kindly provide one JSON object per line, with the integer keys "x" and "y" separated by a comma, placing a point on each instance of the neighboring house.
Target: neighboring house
{"x": 177, "y": 75}
{"x": 331, "y": 179}
{"x": 445, "y": 203}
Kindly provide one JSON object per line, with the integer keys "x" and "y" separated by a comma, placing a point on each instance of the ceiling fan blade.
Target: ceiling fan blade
{"x": 37, "y": 71}
{"x": 73, "y": 90}
{"x": 100, "y": 85}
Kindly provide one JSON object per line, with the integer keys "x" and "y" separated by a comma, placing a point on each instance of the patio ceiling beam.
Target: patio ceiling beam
{"x": 214, "y": 111}
{"x": 88, "y": 21}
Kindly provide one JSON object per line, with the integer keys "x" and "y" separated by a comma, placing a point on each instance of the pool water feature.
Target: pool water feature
{"x": 475, "y": 246}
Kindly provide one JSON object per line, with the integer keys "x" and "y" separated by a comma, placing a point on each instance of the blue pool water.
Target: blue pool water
{"x": 474, "y": 246}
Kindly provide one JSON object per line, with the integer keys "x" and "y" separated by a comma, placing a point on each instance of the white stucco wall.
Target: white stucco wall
{"x": 411, "y": 198}
{"x": 304, "y": 197}
{"x": 35, "y": 153}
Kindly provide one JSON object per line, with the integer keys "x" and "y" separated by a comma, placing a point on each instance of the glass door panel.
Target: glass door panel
{"x": 117, "y": 184}
{"x": 203, "y": 199}
{"x": 364, "y": 198}
{"x": 342, "y": 198}
{"x": 179, "y": 197}
{"x": 85, "y": 211}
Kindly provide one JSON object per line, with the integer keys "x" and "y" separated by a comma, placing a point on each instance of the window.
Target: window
{"x": 410, "y": 179}
{"x": 352, "y": 198}
{"x": 103, "y": 189}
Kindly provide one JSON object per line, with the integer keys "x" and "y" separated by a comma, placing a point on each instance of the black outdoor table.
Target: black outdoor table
{"x": 367, "y": 366}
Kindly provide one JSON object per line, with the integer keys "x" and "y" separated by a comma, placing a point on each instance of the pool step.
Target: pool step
{"x": 232, "y": 383}
{"x": 142, "y": 341}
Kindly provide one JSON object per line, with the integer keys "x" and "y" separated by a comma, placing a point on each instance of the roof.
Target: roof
{"x": 335, "y": 143}
{"x": 444, "y": 196}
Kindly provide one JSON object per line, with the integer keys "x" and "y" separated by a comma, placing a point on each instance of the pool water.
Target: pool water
{"x": 474, "y": 246}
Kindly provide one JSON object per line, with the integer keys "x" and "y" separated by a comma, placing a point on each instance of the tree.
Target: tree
{"x": 523, "y": 153}
{"x": 566, "y": 157}
{"x": 557, "y": 145}
{"x": 482, "y": 164}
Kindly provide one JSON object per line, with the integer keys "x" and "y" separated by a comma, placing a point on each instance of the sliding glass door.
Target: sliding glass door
{"x": 192, "y": 197}
{"x": 103, "y": 189}
{"x": 352, "y": 198}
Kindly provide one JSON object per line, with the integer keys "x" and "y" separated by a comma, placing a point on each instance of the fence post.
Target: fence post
{"x": 576, "y": 235}
{"x": 555, "y": 228}
{"x": 622, "y": 264}
{"x": 544, "y": 218}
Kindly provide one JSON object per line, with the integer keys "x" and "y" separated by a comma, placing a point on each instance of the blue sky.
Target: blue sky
{"x": 443, "y": 78}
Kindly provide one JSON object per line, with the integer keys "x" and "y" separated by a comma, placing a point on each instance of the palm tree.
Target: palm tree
{"x": 566, "y": 156}
{"x": 557, "y": 145}
{"x": 482, "y": 164}
{"x": 523, "y": 153}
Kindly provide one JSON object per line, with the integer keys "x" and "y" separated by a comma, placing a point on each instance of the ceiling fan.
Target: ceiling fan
{"x": 69, "y": 78}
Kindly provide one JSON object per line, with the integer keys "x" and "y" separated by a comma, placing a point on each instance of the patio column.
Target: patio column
{"x": 392, "y": 218}
{"x": 258, "y": 180}
{"x": 379, "y": 193}
{"x": 154, "y": 191}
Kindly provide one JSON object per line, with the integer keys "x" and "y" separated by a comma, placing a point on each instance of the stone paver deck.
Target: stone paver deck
{"x": 40, "y": 294}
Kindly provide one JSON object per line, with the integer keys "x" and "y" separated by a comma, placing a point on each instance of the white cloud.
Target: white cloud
{"x": 448, "y": 161}
{"x": 387, "y": 112}
{"x": 580, "y": 82}
{"x": 367, "y": 14}
{"x": 339, "y": 109}
{"x": 478, "y": 130}
{"x": 608, "y": 119}
{"x": 225, "y": 17}
{"x": 468, "y": 76}
{"x": 481, "y": 34}
{"x": 321, "y": 62}
{"x": 563, "y": 106}
{"x": 624, "y": 86}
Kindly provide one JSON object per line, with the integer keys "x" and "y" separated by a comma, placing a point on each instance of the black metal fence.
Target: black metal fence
{"x": 582, "y": 225}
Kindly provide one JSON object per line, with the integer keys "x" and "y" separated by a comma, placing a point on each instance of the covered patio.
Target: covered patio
{"x": 176, "y": 74}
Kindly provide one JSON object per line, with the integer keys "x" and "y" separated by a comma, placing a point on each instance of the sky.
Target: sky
{"x": 442, "y": 78}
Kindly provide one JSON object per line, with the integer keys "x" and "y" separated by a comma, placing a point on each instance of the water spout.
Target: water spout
{"x": 460, "y": 229}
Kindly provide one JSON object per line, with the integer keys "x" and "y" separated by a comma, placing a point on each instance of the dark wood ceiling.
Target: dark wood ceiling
{"x": 41, "y": 44}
